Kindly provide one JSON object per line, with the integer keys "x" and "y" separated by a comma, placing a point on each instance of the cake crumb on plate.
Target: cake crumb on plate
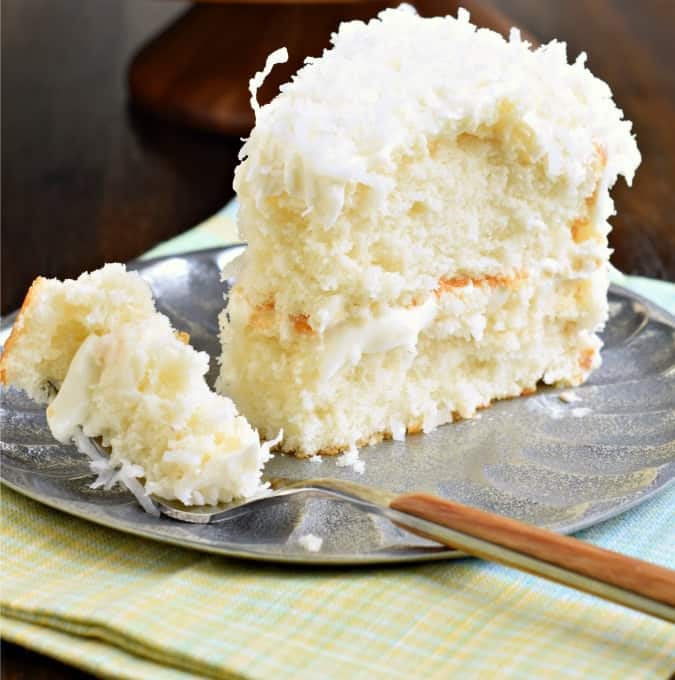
{"x": 580, "y": 412}
{"x": 350, "y": 458}
{"x": 310, "y": 542}
{"x": 569, "y": 397}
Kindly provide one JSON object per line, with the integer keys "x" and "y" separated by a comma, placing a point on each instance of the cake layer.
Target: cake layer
{"x": 436, "y": 151}
{"x": 463, "y": 207}
{"x": 445, "y": 357}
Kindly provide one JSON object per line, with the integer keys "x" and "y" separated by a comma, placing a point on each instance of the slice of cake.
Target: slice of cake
{"x": 56, "y": 318}
{"x": 426, "y": 212}
{"x": 113, "y": 368}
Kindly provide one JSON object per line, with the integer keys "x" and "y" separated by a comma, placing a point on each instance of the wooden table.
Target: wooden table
{"x": 87, "y": 178}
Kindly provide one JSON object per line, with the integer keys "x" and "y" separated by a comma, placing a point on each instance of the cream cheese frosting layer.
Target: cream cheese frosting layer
{"x": 400, "y": 80}
{"x": 350, "y": 340}
{"x": 71, "y": 406}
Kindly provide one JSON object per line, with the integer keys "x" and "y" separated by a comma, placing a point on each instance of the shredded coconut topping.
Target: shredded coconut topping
{"x": 108, "y": 474}
{"x": 416, "y": 77}
{"x": 279, "y": 56}
{"x": 555, "y": 410}
{"x": 350, "y": 458}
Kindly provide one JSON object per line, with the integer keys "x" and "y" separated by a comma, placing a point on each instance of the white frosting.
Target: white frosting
{"x": 350, "y": 340}
{"x": 416, "y": 78}
{"x": 71, "y": 406}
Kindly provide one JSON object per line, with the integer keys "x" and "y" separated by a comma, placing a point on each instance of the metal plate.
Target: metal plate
{"x": 528, "y": 458}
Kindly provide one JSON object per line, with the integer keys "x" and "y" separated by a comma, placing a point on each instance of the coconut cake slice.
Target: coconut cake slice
{"x": 426, "y": 209}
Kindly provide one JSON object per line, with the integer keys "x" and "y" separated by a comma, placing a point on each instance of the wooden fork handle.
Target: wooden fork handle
{"x": 564, "y": 552}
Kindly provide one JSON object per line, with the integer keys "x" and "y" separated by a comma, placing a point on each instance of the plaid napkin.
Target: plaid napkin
{"x": 123, "y": 607}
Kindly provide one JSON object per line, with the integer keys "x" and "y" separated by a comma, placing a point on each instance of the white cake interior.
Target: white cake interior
{"x": 426, "y": 210}
{"x": 57, "y": 316}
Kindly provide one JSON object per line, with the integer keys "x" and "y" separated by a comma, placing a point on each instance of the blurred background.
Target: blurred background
{"x": 121, "y": 119}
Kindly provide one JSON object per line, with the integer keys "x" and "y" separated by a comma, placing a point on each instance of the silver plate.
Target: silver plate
{"x": 528, "y": 458}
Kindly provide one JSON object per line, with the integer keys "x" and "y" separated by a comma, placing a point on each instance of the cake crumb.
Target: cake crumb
{"x": 569, "y": 397}
{"x": 580, "y": 412}
{"x": 350, "y": 458}
{"x": 310, "y": 542}
{"x": 317, "y": 460}
{"x": 542, "y": 405}
{"x": 397, "y": 431}
{"x": 553, "y": 409}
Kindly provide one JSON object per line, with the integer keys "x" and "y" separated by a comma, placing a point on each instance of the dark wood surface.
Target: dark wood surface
{"x": 86, "y": 178}
{"x": 19, "y": 663}
{"x": 179, "y": 74}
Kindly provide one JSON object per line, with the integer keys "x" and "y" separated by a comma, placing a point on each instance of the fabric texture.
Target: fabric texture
{"x": 124, "y": 607}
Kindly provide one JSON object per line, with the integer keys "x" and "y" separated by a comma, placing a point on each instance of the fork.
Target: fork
{"x": 628, "y": 581}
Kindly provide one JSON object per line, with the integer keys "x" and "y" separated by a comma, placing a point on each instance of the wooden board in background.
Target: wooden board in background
{"x": 196, "y": 72}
